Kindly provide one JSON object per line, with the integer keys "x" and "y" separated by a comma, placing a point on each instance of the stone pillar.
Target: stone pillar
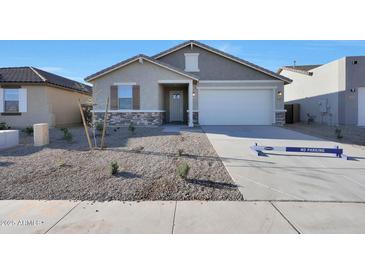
{"x": 41, "y": 134}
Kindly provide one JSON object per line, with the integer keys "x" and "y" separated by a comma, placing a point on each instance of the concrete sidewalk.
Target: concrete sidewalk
{"x": 181, "y": 217}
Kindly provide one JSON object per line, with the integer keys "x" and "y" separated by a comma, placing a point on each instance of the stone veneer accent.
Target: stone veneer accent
{"x": 137, "y": 118}
{"x": 280, "y": 118}
{"x": 195, "y": 118}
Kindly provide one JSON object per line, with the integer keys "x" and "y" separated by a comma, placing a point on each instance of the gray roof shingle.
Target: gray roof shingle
{"x": 34, "y": 75}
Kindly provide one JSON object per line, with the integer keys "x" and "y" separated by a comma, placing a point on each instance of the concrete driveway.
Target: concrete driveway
{"x": 288, "y": 176}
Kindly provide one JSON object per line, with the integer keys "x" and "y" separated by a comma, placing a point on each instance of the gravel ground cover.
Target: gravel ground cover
{"x": 147, "y": 161}
{"x": 352, "y": 135}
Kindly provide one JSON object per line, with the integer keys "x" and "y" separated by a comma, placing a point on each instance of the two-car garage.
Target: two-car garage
{"x": 235, "y": 106}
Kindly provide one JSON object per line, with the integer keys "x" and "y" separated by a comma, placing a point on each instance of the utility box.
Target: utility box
{"x": 292, "y": 114}
{"x": 41, "y": 134}
{"x": 9, "y": 138}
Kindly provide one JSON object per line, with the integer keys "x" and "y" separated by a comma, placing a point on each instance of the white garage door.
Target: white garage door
{"x": 361, "y": 107}
{"x": 235, "y": 107}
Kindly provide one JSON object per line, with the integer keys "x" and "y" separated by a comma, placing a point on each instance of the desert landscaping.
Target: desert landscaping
{"x": 147, "y": 160}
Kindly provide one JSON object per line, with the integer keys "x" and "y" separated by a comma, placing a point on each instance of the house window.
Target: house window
{"x": 192, "y": 62}
{"x": 125, "y": 97}
{"x": 11, "y": 100}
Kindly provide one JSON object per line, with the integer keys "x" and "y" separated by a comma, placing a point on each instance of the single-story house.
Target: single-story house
{"x": 30, "y": 95}
{"x": 189, "y": 83}
{"x": 333, "y": 93}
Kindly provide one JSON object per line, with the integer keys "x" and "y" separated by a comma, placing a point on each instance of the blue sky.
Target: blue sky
{"x": 78, "y": 59}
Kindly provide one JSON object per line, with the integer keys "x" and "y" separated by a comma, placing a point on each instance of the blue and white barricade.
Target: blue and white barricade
{"x": 338, "y": 152}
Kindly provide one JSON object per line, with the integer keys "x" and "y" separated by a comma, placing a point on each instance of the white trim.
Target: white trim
{"x": 108, "y": 71}
{"x": 280, "y": 110}
{"x": 39, "y": 75}
{"x": 1, "y": 100}
{"x": 238, "y": 81}
{"x": 194, "y": 65}
{"x": 174, "y": 81}
{"x": 192, "y": 54}
{"x": 23, "y": 101}
{"x": 238, "y": 87}
{"x": 175, "y": 49}
{"x": 193, "y": 110}
{"x": 274, "y": 106}
{"x": 225, "y": 56}
{"x": 128, "y": 111}
{"x": 125, "y": 84}
{"x": 190, "y": 104}
{"x": 137, "y": 59}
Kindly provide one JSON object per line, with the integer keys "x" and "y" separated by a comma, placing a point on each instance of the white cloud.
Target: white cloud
{"x": 229, "y": 48}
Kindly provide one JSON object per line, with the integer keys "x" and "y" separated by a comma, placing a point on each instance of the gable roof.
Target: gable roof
{"x": 136, "y": 58}
{"x": 33, "y": 75}
{"x": 225, "y": 55}
{"x": 305, "y": 69}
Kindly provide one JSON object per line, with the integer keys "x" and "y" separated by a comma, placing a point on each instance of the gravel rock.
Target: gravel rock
{"x": 147, "y": 168}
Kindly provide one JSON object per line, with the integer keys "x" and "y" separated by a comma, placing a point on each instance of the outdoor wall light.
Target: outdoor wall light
{"x": 194, "y": 93}
{"x": 280, "y": 93}
{"x": 353, "y": 90}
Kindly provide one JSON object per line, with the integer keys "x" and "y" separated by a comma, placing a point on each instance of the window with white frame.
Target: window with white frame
{"x": 125, "y": 96}
{"x": 11, "y": 100}
{"x": 192, "y": 62}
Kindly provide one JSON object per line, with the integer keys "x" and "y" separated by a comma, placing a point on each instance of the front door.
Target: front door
{"x": 176, "y": 106}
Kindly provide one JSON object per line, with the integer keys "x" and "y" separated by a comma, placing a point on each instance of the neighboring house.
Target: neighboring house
{"x": 190, "y": 82}
{"x": 334, "y": 93}
{"x": 29, "y": 95}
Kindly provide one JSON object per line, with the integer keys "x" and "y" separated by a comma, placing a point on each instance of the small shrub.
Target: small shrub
{"x": 180, "y": 152}
{"x": 183, "y": 170}
{"x": 338, "y": 133}
{"x": 310, "y": 118}
{"x": 67, "y": 135}
{"x": 61, "y": 163}
{"x": 114, "y": 168}
{"x": 4, "y": 126}
{"x": 131, "y": 128}
{"x": 64, "y": 130}
{"x": 29, "y": 130}
{"x": 99, "y": 126}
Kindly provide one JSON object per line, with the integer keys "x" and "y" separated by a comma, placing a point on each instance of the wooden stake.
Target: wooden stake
{"x": 105, "y": 120}
{"x": 85, "y": 126}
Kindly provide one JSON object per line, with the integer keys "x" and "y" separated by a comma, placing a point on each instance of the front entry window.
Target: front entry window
{"x": 125, "y": 97}
{"x": 11, "y": 100}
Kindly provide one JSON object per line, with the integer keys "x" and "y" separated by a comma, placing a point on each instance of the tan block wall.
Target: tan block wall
{"x": 63, "y": 106}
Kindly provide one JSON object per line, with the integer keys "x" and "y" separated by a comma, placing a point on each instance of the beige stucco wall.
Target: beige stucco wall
{"x": 325, "y": 85}
{"x": 63, "y": 106}
{"x": 145, "y": 75}
{"x": 54, "y": 106}
{"x": 37, "y": 109}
